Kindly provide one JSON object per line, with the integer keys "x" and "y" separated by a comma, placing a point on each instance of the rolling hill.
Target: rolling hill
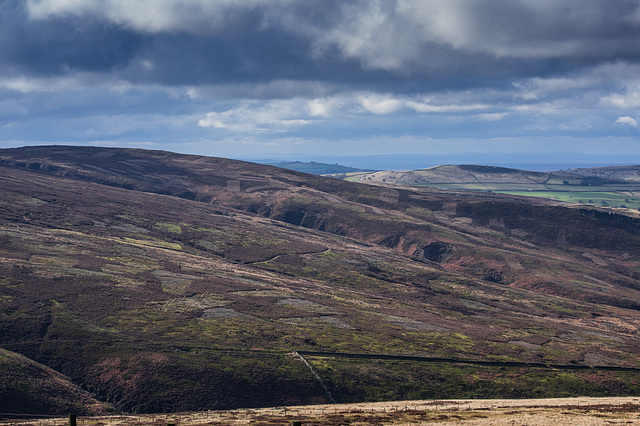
{"x": 497, "y": 178}
{"x": 158, "y": 281}
{"x": 461, "y": 174}
{"x": 620, "y": 173}
{"x": 615, "y": 186}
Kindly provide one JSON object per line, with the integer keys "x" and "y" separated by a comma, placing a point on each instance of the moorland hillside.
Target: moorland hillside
{"x": 165, "y": 282}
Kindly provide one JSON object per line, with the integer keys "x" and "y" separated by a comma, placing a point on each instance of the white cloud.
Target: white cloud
{"x": 628, "y": 121}
{"x": 281, "y": 115}
{"x": 24, "y": 84}
{"x": 73, "y": 82}
{"x": 325, "y": 107}
{"x": 371, "y": 32}
{"x": 627, "y": 98}
{"x": 274, "y": 89}
{"x": 379, "y": 104}
{"x": 539, "y": 88}
{"x": 543, "y": 105}
{"x": 427, "y": 106}
{"x": 268, "y": 117}
{"x": 495, "y": 116}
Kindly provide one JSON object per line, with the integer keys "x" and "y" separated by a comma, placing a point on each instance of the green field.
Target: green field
{"x": 583, "y": 195}
{"x": 618, "y": 195}
{"x": 495, "y": 187}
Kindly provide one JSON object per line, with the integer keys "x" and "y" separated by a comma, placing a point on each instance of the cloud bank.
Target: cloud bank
{"x": 189, "y": 73}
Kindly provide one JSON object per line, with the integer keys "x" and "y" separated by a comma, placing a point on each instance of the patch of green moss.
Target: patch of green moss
{"x": 331, "y": 255}
{"x": 151, "y": 243}
{"x": 5, "y": 298}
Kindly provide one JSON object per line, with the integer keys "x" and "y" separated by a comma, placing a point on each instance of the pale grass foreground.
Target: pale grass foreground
{"x": 560, "y": 411}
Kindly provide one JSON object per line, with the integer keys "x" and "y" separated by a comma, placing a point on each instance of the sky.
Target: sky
{"x": 277, "y": 78}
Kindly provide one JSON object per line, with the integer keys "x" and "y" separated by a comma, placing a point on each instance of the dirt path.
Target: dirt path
{"x": 557, "y": 412}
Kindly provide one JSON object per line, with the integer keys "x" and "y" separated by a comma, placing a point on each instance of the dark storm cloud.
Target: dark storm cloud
{"x": 62, "y": 45}
{"x": 179, "y": 58}
{"x": 407, "y": 43}
{"x": 245, "y": 45}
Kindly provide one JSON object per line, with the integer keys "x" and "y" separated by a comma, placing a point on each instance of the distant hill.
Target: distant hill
{"x": 314, "y": 168}
{"x": 525, "y": 161}
{"x": 624, "y": 173}
{"x": 614, "y": 186}
{"x": 462, "y": 174}
{"x": 159, "y": 281}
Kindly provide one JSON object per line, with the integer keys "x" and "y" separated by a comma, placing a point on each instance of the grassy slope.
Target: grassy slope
{"x": 158, "y": 302}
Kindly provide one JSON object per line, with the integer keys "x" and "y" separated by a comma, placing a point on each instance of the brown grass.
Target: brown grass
{"x": 561, "y": 411}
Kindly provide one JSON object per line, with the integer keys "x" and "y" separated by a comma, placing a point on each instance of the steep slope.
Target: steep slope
{"x": 161, "y": 281}
{"x": 31, "y": 388}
